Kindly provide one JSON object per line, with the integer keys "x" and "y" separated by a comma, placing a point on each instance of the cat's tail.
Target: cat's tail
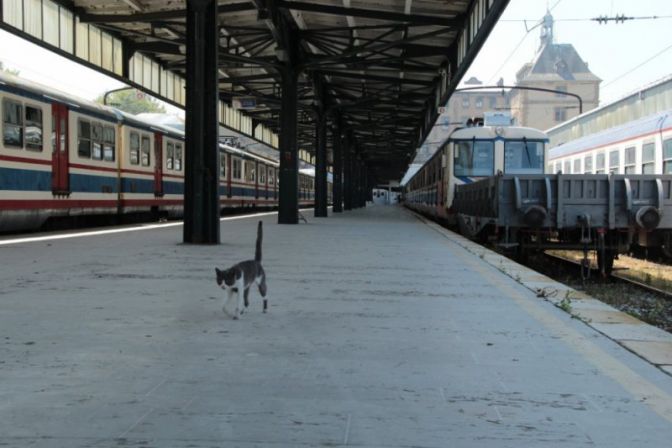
{"x": 260, "y": 235}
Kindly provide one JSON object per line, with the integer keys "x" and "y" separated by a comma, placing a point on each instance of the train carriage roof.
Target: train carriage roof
{"x": 628, "y": 131}
{"x": 491, "y": 132}
{"x": 41, "y": 92}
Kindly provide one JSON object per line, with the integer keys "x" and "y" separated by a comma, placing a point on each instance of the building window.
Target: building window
{"x": 648, "y": 158}
{"x": 560, "y": 114}
{"x": 667, "y": 156}
{"x": 577, "y": 166}
{"x": 630, "y": 160}
{"x": 12, "y": 123}
{"x": 465, "y": 101}
{"x": 493, "y": 102}
{"x": 588, "y": 164}
{"x": 479, "y": 102}
{"x": 561, "y": 89}
{"x": 33, "y": 128}
{"x": 614, "y": 162}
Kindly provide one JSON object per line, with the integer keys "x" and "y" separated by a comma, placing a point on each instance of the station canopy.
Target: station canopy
{"x": 381, "y": 68}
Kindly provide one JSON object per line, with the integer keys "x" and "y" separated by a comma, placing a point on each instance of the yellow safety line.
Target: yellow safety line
{"x": 641, "y": 389}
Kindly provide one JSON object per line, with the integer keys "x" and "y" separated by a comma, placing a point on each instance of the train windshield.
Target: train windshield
{"x": 523, "y": 157}
{"x": 474, "y": 158}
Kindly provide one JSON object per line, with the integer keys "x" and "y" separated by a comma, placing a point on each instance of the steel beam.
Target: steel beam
{"x": 201, "y": 183}
{"x": 347, "y": 174}
{"x": 337, "y": 187}
{"x": 321, "y": 167}
{"x": 288, "y": 210}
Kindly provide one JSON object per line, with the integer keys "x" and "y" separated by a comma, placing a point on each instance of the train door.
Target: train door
{"x": 229, "y": 169}
{"x": 256, "y": 180}
{"x": 60, "y": 178}
{"x": 158, "y": 164}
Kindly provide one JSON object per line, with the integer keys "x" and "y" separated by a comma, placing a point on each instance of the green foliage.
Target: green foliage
{"x": 8, "y": 70}
{"x": 127, "y": 101}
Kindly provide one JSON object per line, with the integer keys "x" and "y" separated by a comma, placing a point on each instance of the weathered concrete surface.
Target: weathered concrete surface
{"x": 381, "y": 333}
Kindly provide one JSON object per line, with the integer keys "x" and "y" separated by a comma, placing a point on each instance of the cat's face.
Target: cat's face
{"x": 226, "y": 278}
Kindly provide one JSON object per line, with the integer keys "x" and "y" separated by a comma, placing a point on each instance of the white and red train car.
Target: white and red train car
{"x": 65, "y": 156}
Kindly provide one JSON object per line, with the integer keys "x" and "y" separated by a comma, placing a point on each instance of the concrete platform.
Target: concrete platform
{"x": 383, "y": 331}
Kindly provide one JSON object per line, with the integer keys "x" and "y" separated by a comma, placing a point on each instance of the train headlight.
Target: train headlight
{"x": 648, "y": 218}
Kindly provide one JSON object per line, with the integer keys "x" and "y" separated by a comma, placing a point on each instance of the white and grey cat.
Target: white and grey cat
{"x": 240, "y": 277}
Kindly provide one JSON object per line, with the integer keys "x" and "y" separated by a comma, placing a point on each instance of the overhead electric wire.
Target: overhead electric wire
{"x": 637, "y": 66}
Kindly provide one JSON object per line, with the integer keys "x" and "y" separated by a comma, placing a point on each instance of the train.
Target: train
{"x": 642, "y": 146}
{"x": 62, "y": 156}
{"x": 488, "y": 180}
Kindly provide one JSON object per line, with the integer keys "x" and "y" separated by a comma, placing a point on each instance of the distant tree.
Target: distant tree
{"x": 128, "y": 101}
{"x": 8, "y": 70}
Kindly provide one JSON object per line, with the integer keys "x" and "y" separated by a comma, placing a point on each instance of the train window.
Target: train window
{"x": 667, "y": 156}
{"x": 145, "y": 151}
{"x": 33, "y": 128}
{"x": 177, "y": 162}
{"x": 135, "y": 148}
{"x": 558, "y": 167}
{"x": 12, "y": 123}
{"x": 84, "y": 139}
{"x": 588, "y": 164}
{"x": 567, "y": 167}
{"x": 474, "y": 158}
{"x": 630, "y": 160}
{"x": 648, "y": 158}
{"x": 222, "y": 164}
{"x": 250, "y": 173}
{"x": 577, "y": 166}
{"x": 97, "y": 141}
{"x": 599, "y": 163}
{"x": 523, "y": 157}
{"x": 109, "y": 140}
{"x": 170, "y": 155}
{"x": 237, "y": 168}
{"x": 271, "y": 176}
{"x": 614, "y": 162}
{"x": 262, "y": 174}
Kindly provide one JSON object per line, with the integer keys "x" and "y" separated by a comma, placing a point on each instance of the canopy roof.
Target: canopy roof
{"x": 382, "y": 67}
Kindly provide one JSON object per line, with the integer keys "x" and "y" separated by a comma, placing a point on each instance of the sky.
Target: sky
{"x": 613, "y": 51}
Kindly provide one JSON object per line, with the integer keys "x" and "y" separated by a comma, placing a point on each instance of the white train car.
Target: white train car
{"x": 642, "y": 146}
{"x": 470, "y": 154}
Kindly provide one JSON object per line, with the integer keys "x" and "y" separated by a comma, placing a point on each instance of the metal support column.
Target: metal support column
{"x": 321, "y": 167}
{"x": 201, "y": 195}
{"x": 347, "y": 174}
{"x": 288, "y": 207}
{"x": 338, "y": 167}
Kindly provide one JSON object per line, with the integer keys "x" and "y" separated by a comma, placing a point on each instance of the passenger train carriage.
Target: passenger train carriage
{"x": 489, "y": 182}
{"x": 64, "y": 156}
{"x": 642, "y": 146}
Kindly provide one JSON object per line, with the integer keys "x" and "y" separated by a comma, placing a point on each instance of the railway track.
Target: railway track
{"x": 615, "y": 276}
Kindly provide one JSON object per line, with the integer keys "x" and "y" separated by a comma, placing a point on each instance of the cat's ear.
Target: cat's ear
{"x": 217, "y": 271}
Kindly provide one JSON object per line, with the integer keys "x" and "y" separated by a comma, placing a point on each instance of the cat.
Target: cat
{"x": 239, "y": 278}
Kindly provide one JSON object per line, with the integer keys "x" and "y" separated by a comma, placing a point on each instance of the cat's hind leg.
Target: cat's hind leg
{"x": 262, "y": 289}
